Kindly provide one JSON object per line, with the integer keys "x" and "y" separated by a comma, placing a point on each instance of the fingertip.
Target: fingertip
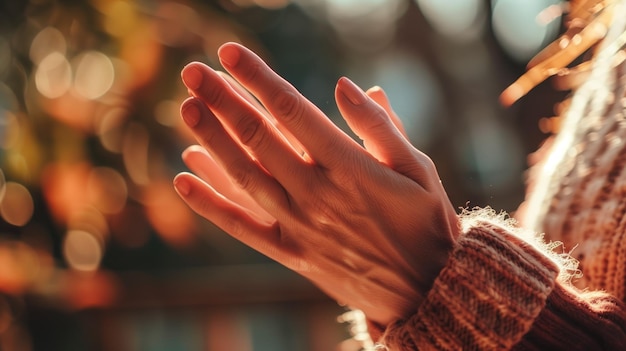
{"x": 353, "y": 93}
{"x": 229, "y": 43}
{"x": 229, "y": 54}
{"x": 191, "y": 113}
{"x": 182, "y": 184}
{"x": 186, "y": 102}
{"x": 193, "y": 149}
{"x": 511, "y": 94}
{"x": 192, "y": 75}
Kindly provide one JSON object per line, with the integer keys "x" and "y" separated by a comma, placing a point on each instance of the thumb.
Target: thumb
{"x": 377, "y": 94}
{"x": 381, "y": 137}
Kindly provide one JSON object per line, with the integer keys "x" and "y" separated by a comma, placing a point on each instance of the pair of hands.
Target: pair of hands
{"x": 370, "y": 225}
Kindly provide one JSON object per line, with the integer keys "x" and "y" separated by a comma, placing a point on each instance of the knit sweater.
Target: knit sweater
{"x": 503, "y": 288}
{"x": 500, "y": 291}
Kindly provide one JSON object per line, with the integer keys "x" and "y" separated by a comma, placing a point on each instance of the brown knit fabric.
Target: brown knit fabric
{"x": 499, "y": 292}
{"x": 486, "y": 298}
{"x": 578, "y": 321}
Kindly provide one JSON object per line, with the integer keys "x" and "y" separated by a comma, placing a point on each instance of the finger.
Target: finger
{"x": 245, "y": 94}
{"x": 381, "y": 138}
{"x": 245, "y": 123}
{"x": 300, "y": 117}
{"x": 254, "y": 102}
{"x": 204, "y": 166}
{"x": 239, "y": 222}
{"x": 242, "y": 170}
{"x": 378, "y": 94}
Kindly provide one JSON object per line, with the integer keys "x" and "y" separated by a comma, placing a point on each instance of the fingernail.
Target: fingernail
{"x": 192, "y": 77}
{"x": 229, "y": 55}
{"x": 182, "y": 186}
{"x": 353, "y": 92}
{"x": 191, "y": 114}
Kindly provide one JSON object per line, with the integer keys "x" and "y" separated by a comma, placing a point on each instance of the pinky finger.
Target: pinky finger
{"x": 204, "y": 166}
{"x": 237, "y": 221}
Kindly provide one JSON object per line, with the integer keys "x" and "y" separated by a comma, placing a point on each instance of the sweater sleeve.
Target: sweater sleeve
{"x": 499, "y": 292}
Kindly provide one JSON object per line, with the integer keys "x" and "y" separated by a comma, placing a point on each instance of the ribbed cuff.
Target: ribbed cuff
{"x": 486, "y": 298}
{"x": 578, "y": 321}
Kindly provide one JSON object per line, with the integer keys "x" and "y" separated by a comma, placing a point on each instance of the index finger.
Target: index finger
{"x": 298, "y": 115}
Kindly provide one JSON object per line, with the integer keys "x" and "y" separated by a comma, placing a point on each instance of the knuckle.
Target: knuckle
{"x": 379, "y": 117}
{"x": 428, "y": 165}
{"x": 422, "y": 169}
{"x": 377, "y": 121}
{"x": 214, "y": 95}
{"x": 288, "y": 105}
{"x": 252, "y": 132}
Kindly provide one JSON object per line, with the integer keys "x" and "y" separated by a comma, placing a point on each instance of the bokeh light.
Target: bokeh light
{"x": 169, "y": 215}
{"x": 54, "y": 75}
{"x": 94, "y": 74}
{"x": 120, "y": 16}
{"x": 90, "y": 220}
{"x": 110, "y": 128}
{"x": 461, "y": 20}
{"x": 268, "y": 4}
{"x": 135, "y": 152}
{"x": 49, "y": 40}
{"x": 19, "y": 266}
{"x": 17, "y": 204}
{"x": 82, "y": 250}
{"x": 520, "y": 26}
{"x": 177, "y": 23}
{"x": 166, "y": 113}
{"x": 106, "y": 190}
{"x": 63, "y": 185}
{"x": 364, "y": 25}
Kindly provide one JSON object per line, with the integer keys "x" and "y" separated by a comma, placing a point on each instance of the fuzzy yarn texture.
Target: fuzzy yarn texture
{"x": 500, "y": 291}
{"x": 486, "y": 298}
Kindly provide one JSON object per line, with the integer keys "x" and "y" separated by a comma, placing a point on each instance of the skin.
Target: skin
{"x": 370, "y": 225}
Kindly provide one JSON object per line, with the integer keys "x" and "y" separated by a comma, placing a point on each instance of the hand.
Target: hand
{"x": 371, "y": 227}
{"x": 204, "y": 166}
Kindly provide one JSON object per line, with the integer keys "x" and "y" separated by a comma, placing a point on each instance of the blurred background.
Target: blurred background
{"x": 96, "y": 250}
